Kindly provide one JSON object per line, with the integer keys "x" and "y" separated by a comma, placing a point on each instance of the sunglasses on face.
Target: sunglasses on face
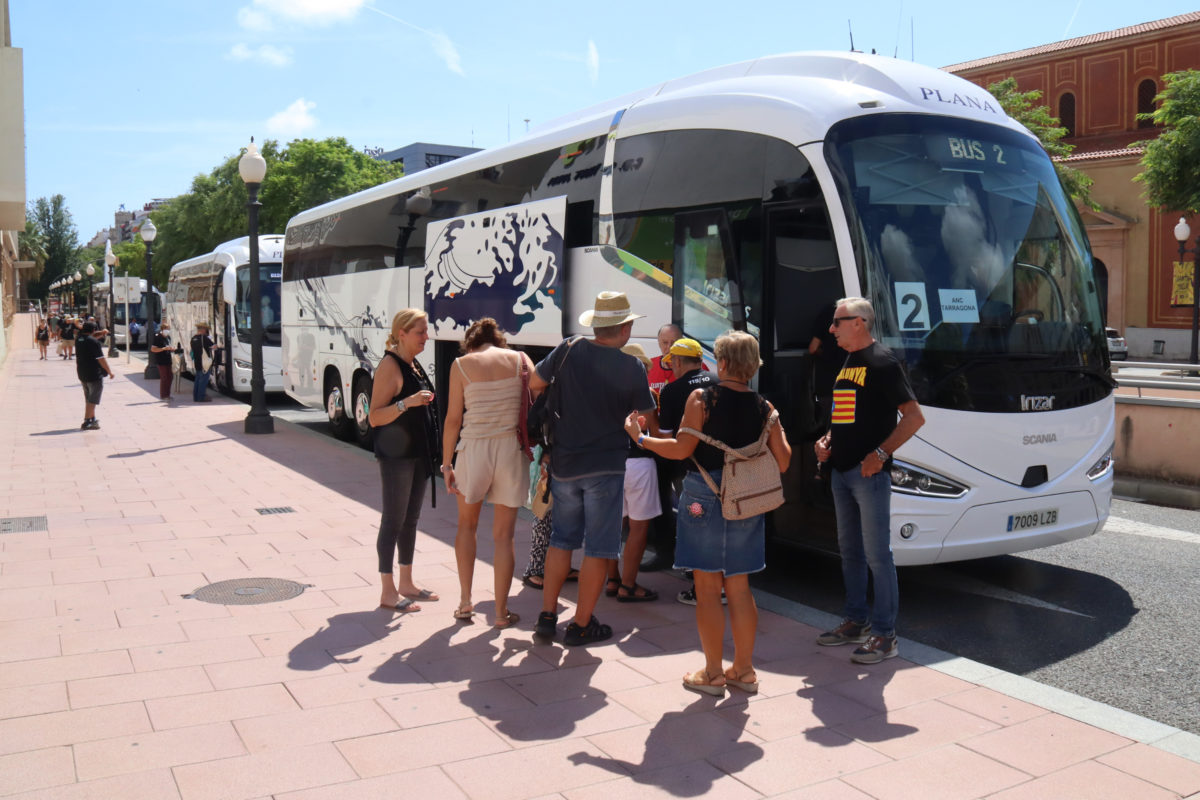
{"x": 839, "y": 320}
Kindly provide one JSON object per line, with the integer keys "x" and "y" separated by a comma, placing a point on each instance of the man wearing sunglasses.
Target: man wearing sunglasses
{"x": 870, "y": 391}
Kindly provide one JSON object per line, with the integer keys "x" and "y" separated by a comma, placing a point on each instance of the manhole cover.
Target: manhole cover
{"x": 248, "y": 591}
{"x": 22, "y": 524}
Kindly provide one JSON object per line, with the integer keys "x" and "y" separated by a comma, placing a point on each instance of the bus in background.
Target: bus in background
{"x": 753, "y": 196}
{"x": 215, "y": 289}
{"x": 118, "y": 324}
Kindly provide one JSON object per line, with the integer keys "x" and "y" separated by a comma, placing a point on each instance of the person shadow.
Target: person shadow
{"x": 858, "y": 712}
{"x": 680, "y": 739}
{"x": 342, "y": 635}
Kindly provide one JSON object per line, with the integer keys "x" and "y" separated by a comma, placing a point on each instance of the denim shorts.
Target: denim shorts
{"x": 92, "y": 391}
{"x": 587, "y": 513}
{"x": 706, "y": 541}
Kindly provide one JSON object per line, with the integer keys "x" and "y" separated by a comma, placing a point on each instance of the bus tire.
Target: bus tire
{"x": 361, "y": 411}
{"x": 340, "y": 422}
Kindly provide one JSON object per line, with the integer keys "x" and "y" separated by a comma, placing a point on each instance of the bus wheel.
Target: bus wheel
{"x": 362, "y": 410}
{"x": 335, "y": 409}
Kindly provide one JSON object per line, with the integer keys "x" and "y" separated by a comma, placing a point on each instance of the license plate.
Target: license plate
{"x": 1032, "y": 519}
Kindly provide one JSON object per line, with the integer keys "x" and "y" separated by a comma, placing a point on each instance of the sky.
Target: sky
{"x": 127, "y": 102}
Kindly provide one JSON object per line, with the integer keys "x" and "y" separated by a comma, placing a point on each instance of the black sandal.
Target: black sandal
{"x": 610, "y": 592}
{"x": 528, "y": 581}
{"x": 632, "y": 596}
{"x": 593, "y": 632}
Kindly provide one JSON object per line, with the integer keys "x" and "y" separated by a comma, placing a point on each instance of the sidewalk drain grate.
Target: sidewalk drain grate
{"x": 22, "y": 524}
{"x": 248, "y": 591}
{"x": 276, "y": 510}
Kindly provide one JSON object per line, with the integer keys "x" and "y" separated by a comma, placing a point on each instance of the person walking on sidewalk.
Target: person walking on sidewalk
{"x": 201, "y": 348}
{"x": 406, "y": 447}
{"x": 160, "y": 356}
{"x": 43, "y": 338}
{"x": 486, "y": 388}
{"x": 869, "y": 391}
{"x": 91, "y": 366}
{"x": 598, "y": 386}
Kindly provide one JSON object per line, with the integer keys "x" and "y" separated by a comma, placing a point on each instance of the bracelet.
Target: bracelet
{"x": 881, "y": 454}
{"x": 445, "y": 468}
{"x": 641, "y": 438}
{"x": 401, "y": 407}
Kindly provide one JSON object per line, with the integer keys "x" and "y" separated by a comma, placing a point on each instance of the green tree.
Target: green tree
{"x": 304, "y": 174}
{"x": 1024, "y": 108}
{"x": 60, "y": 240}
{"x": 31, "y": 246}
{"x": 1171, "y": 162}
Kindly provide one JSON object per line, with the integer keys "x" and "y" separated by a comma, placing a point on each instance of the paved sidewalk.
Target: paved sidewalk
{"x": 115, "y": 684}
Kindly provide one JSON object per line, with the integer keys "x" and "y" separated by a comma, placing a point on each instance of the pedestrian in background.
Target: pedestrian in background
{"x": 406, "y": 448}
{"x": 722, "y": 553}
{"x": 67, "y": 337}
{"x": 160, "y": 355}
{"x": 202, "y": 351}
{"x": 91, "y": 367}
{"x": 870, "y": 391}
{"x": 42, "y": 337}
{"x": 482, "y": 456}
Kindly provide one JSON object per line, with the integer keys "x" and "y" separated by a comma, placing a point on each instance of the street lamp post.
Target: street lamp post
{"x": 1182, "y": 233}
{"x": 110, "y": 260}
{"x": 253, "y": 168}
{"x": 148, "y": 232}
{"x": 71, "y": 288}
{"x": 91, "y": 272}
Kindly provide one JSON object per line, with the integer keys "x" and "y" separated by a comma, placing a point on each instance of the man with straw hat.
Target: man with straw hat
{"x": 598, "y": 386}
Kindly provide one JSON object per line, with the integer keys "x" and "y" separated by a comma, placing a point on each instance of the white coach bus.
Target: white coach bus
{"x": 106, "y": 303}
{"x": 753, "y": 196}
{"x": 215, "y": 288}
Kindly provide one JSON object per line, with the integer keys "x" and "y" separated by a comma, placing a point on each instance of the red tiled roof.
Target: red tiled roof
{"x": 1103, "y": 155}
{"x": 1081, "y": 41}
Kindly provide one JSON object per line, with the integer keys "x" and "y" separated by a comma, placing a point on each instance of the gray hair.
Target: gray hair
{"x": 859, "y": 307}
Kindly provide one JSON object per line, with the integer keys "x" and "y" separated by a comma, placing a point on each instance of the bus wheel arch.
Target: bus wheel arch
{"x": 340, "y": 421}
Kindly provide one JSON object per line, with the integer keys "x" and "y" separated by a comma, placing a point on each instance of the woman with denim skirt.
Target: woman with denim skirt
{"x": 721, "y": 552}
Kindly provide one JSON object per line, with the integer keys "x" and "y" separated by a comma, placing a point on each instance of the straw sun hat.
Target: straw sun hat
{"x": 612, "y": 308}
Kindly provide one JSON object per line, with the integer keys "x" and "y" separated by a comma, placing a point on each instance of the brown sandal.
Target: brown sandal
{"x": 464, "y": 611}
{"x": 737, "y": 681}
{"x": 507, "y": 621}
{"x": 701, "y": 681}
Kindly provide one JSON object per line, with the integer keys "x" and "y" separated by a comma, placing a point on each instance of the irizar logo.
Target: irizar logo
{"x": 1037, "y": 402}
{"x": 1039, "y": 438}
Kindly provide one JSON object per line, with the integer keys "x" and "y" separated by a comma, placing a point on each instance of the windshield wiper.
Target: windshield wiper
{"x": 1101, "y": 375}
{"x": 982, "y": 360}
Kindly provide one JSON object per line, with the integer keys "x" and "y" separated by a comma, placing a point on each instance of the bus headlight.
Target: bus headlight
{"x": 242, "y": 364}
{"x": 908, "y": 479}
{"x": 1103, "y": 466}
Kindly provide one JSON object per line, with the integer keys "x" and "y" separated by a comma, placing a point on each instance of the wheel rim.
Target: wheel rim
{"x": 333, "y": 404}
{"x": 362, "y": 410}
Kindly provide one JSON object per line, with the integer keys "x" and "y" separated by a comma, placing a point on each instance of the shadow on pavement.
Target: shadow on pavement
{"x": 136, "y": 453}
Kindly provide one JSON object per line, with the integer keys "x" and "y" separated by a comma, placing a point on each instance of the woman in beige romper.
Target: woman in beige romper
{"x": 481, "y": 427}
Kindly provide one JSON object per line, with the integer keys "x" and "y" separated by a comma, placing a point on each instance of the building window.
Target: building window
{"x": 1146, "y": 92}
{"x": 433, "y": 159}
{"x": 1066, "y": 113}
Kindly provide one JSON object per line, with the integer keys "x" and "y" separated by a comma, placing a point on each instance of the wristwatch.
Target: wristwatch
{"x": 401, "y": 407}
{"x": 882, "y": 455}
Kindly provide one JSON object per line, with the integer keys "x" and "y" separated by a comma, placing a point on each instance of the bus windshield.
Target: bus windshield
{"x": 975, "y": 261}
{"x": 268, "y": 285}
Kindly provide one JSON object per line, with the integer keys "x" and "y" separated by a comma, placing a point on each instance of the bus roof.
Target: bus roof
{"x": 795, "y": 97}
{"x": 235, "y": 252}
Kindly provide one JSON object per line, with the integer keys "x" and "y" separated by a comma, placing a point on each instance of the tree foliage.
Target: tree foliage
{"x": 1171, "y": 162}
{"x": 60, "y": 240}
{"x": 304, "y": 174}
{"x": 31, "y": 246}
{"x": 1024, "y": 108}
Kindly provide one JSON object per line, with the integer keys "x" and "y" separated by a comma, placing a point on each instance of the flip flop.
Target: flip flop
{"x": 700, "y": 681}
{"x": 736, "y": 681}
{"x": 507, "y": 621}
{"x": 647, "y": 595}
{"x": 572, "y": 575}
{"x": 406, "y": 606}
{"x": 465, "y": 611}
{"x": 422, "y": 594}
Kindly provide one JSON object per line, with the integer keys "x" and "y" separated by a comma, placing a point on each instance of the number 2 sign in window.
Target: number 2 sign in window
{"x": 912, "y": 312}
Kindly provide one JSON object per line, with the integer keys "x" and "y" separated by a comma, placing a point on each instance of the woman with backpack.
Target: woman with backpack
{"x": 721, "y": 551}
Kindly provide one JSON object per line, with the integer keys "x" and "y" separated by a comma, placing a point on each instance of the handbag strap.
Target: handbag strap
{"x": 738, "y": 453}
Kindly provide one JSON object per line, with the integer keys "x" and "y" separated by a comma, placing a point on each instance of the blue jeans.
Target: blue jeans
{"x": 587, "y": 511}
{"x": 864, "y": 509}
{"x": 199, "y": 387}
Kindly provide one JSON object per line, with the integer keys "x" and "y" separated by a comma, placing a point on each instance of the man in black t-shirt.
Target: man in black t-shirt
{"x": 202, "y": 351}
{"x": 91, "y": 366}
{"x": 869, "y": 392}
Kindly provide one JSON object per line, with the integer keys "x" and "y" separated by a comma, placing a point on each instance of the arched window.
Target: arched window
{"x": 1066, "y": 112}
{"x": 1146, "y": 92}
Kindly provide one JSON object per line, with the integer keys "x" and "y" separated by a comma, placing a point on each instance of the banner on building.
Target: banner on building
{"x": 1181, "y": 284}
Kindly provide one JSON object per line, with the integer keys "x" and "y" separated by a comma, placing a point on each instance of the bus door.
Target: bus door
{"x": 803, "y": 281}
{"x": 707, "y": 294}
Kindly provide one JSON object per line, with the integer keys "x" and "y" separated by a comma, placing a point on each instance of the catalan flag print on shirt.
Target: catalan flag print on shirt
{"x": 843, "y": 406}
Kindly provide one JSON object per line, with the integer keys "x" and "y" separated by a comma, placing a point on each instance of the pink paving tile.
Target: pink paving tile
{"x": 915, "y": 729}
{"x": 25, "y": 609}
{"x": 328, "y": 724}
{"x": 429, "y": 782}
{"x": 787, "y": 764}
{"x": 561, "y": 767}
{"x": 12, "y": 649}
{"x": 1180, "y": 775}
{"x": 138, "y": 686}
{"x": 674, "y": 740}
{"x": 950, "y": 773}
{"x": 100, "y": 619}
{"x": 53, "y": 564}
{"x": 651, "y": 702}
{"x": 348, "y": 686}
{"x": 899, "y": 683}
{"x": 582, "y": 716}
{"x": 1086, "y": 781}
{"x": 693, "y": 779}
{"x": 36, "y": 769}
{"x": 151, "y": 750}
{"x": 118, "y": 601}
{"x": 64, "y": 668}
{"x": 186, "y": 654}
{"x": 171, "y": 612}
{"x": 829, "y": 790}
{"x": 565, "y": 683}
{"x": 270, "y": 622}
{"x": 1045, "y": 744}
{"x": 219, "y": 706}
{"x": 71, "y": 727}
{"x": 415, "y": 709}
{"x": 122, "y": 638}
{"x": 272, "y": 669}
{"x": 261, "y": 774}
{"x": 69, "y": 576}
{"x": 815, "y": 712}
{"x": 154, "y": 785}
{"x": 443, "y": 743}
{"x": 993, "y": 705}
{"x": 25, "y": 701}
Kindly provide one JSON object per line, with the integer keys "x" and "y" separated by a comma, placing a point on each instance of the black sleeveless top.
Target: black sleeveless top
{"x": 414, "y": 434}
{"x": 735, "y": 418}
